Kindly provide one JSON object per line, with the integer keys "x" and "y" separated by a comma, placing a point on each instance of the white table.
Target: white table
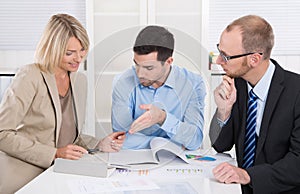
{"x": 50, "y": 182}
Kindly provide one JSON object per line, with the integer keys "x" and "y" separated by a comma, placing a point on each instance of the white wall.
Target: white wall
{"x": 15, "y": 58}
{"x": 105, "y": 18}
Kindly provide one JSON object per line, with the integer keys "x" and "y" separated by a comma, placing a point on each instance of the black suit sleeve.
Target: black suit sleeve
{"x": 221, "y": 138}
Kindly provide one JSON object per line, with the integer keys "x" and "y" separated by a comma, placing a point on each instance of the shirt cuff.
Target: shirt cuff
{"x": 169, "y": 124}
{"x": 222, "y": 123}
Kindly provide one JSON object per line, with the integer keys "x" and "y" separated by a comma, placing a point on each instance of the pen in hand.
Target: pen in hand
{"x": 93, "y": 151}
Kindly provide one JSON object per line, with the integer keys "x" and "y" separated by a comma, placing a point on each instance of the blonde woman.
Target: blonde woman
{"x": 43, "y": 110}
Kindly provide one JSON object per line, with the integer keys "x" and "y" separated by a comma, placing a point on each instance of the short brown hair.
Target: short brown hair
{"x": 257, "y": 34}
{"x": 155, "y": 39}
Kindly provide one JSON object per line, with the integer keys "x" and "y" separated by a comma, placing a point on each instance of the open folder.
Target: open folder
{"x": 99, "y": 166}
{"x": 129, "y": 158}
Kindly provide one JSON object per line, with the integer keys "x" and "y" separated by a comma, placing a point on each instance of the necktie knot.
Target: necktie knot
{"x": 252, "y": 95}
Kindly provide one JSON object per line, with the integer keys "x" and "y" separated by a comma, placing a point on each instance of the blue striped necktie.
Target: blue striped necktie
{"x": 250, "y": 138}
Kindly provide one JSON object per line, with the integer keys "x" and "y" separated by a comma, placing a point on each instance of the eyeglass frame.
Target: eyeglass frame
{"x": 227, "y": 58}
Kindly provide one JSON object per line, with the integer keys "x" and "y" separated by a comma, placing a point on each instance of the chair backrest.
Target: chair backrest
{"x": 5, "y": 79}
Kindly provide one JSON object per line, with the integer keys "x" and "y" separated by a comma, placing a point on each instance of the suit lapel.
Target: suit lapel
{"x": 275, "y": 91}
{"x": 52, "y": 88}
{"x": 243, "y": 98}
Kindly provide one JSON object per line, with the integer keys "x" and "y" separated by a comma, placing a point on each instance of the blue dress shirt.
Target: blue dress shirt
{"x": 181, "y": 97}
{"x": 261, "y": 90}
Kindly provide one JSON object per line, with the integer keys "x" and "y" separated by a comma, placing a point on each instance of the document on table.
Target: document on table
{"x": 178, "y": 187}
{"x": 88, "y": 186}
{"x": 132, "y": 158}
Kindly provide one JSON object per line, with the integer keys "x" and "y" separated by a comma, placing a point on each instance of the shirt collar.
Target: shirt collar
{"x": 261, "y": 89}
{"x": 170, "y": 82}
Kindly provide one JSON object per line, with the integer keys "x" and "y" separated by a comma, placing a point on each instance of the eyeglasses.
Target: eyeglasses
{"x": 227, "y": 58}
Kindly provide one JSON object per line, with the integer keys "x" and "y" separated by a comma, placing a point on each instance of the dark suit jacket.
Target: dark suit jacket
{"x": 277, "y": 161}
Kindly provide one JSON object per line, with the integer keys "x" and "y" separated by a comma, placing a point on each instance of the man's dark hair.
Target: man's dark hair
{"x": 155, "y": 38}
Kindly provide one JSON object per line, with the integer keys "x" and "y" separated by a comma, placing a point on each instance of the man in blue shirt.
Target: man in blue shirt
{"x": 157, "y": 99}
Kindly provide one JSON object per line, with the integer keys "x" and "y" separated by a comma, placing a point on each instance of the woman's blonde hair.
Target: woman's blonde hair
{"x": 53, "y": 43}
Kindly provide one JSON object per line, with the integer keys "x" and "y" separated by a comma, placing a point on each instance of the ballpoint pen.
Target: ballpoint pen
{"x": 93, "y": 151}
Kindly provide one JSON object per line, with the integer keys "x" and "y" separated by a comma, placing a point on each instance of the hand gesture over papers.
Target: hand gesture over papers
{"x": 225, "y": 97}
{"x": 152, "y": 116}
{"x": 227, "y": 173}
{"x": 112, "y": 142}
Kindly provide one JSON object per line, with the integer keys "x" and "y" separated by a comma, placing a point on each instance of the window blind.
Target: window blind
{"x": 283, "y": 15}
{"x": 22, "y": 22}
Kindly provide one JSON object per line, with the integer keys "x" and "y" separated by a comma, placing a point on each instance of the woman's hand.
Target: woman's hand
{"x": 72, "y": 152}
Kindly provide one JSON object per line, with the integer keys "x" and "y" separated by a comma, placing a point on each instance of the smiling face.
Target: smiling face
{"x": 150, "y": 71}
{"x": 73, "y": 56}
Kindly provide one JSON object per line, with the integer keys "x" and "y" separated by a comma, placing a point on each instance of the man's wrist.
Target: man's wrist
{"x": 223, "y": 115}
{"x": 163, "y": 117}
{"x": 100, "y": 146}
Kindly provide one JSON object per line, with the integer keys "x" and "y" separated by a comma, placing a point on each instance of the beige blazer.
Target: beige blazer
{"x": 30, "y": 120}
